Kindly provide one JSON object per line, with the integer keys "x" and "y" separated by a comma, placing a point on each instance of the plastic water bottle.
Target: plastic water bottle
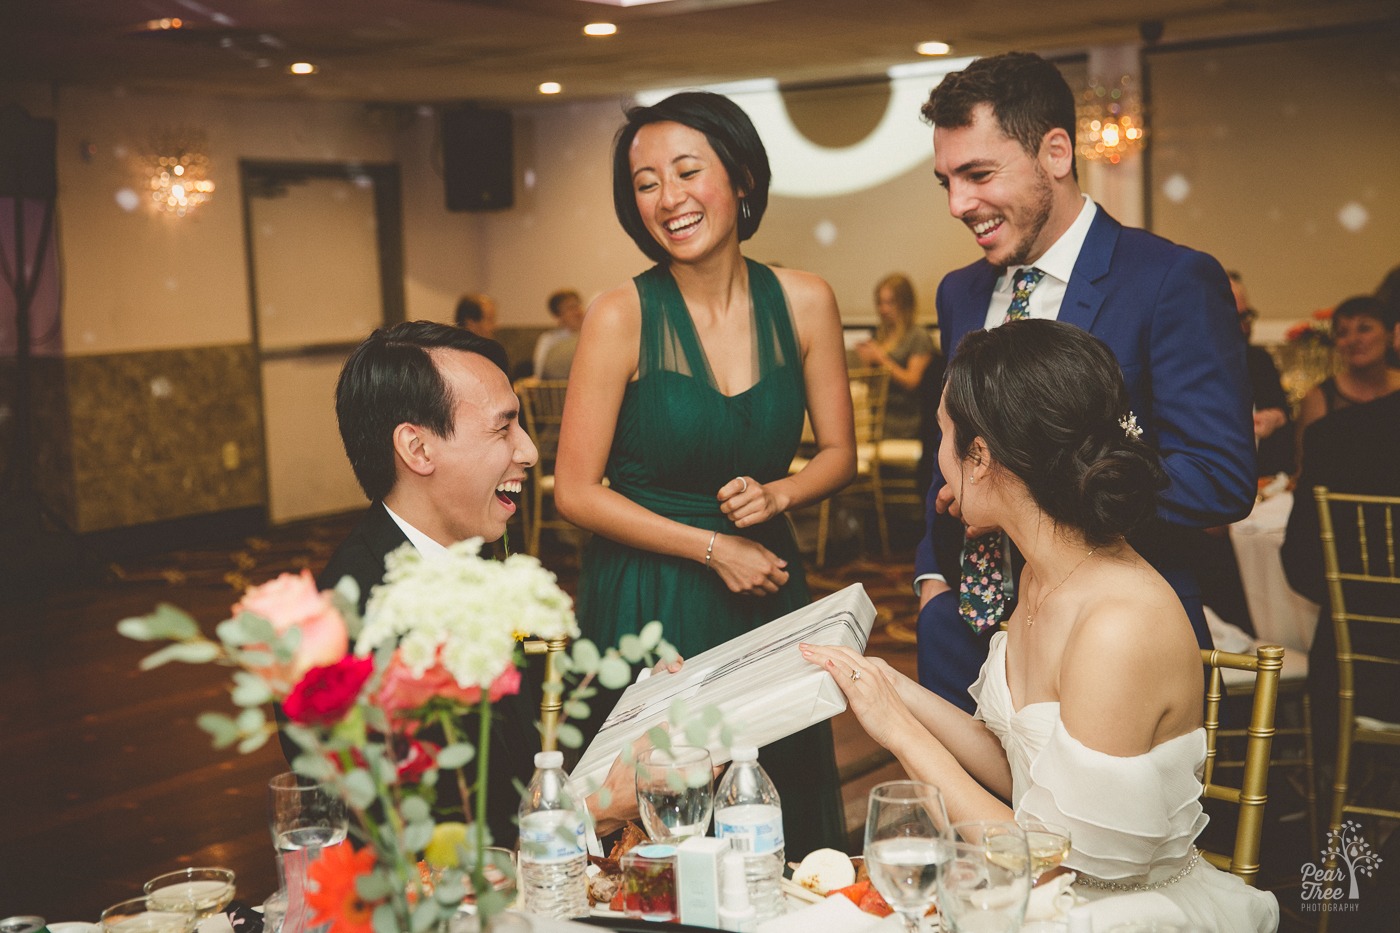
{"x": 749, "y": 814}
{"x": 553, "y": 854}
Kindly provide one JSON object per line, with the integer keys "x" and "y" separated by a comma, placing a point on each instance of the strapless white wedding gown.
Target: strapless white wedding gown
{"x": 1132, "y": 820}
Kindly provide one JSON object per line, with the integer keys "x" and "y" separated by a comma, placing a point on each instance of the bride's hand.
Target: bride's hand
{"x": 870, "y": 686}
{"x": 745, "y": 501}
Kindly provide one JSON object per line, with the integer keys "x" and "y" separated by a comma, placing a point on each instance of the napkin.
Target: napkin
{"x": 833, "y": 915}
{"x": 1051, "y": 899}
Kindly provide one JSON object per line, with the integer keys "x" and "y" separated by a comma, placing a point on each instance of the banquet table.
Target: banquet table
{"x": 1281, "y": 616}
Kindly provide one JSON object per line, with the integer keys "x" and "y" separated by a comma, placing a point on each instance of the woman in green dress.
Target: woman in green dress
{"x": 687, "y": 396}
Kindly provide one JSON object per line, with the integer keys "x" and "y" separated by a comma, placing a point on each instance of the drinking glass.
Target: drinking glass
{"x": 304, "y": 817}
{"x": 1049, "y": 845}
{"x": 983, "y": 884}
{"x": 675, "y": 792}
{"x": 139, "y": 915}
{"x": 903, "y": 845}
{"x": 206, "y": 891}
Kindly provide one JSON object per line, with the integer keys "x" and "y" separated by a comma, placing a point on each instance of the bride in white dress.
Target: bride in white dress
{"x": 1090, "y": 702}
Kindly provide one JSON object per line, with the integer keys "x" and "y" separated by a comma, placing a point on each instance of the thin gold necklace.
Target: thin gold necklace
{"x": 1030, "y": 613}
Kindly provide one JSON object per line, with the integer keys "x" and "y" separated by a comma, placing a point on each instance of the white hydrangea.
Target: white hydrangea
{"x": 471, "y": 609}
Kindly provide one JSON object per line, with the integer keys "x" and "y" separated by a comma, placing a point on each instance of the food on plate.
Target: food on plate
{"x": 605, "y": 874}
{"x": 864, "y": 896}
{"x": 825, "y": 870}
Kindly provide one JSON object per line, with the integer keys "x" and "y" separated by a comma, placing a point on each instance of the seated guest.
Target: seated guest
{"x": 1354, "y": 450}
{"x": 1361, "y": 331}
{"x": 1271, "y": 416}
{"x": 477, "y": 313}
{"x": 1089, "y": 703}
{"x": 567, "y": 309}
{"x": 902, "y": 347}
{"x": 431, "y": 428}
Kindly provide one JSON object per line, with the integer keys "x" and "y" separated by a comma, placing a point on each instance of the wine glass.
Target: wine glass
{"x": 675, "y": 792}
{"x": 903, "y": 845}
{"x": 984, "y": 881}
{"x": 206, "y": 891}
{"x": 1049, "y": 845}
{"x": 304, "y": 817}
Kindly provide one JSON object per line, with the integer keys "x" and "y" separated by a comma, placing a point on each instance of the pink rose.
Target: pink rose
{"x": 325, "y": 694}
{"x": 292, "y": 602}
{"x": 400, "y": 691}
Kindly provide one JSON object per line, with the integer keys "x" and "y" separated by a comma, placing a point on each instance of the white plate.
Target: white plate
{"x": 75, "y": 927}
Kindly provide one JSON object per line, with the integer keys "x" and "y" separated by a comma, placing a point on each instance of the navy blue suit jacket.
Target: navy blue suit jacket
{"x": 1168, "y": 315}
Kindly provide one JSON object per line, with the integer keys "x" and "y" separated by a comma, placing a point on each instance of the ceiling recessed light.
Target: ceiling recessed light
{"x": 302, "y": 68}
{"x": 600, "y": 29}
{"x": 933, "y": 48}
{"x": 551, "y": 87}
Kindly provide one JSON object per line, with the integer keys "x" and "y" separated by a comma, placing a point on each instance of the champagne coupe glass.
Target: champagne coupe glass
{"x": 1049, "y": 845}
{"x": 985, "y": 881}
{"x": 903, "y": 845}
{"x": 304, "y": 817}
{"x": 206, "y": 891}
{"x": 140, "y": 915}
{"x": 675, "y": 792}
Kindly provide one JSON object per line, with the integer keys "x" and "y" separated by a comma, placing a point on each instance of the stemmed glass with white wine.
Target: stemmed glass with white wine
{"x": 985, "y": 882}
{"x": 1049, "y": 845}
{"x": 903, "y": 845}
{"x": 675, "y": 792}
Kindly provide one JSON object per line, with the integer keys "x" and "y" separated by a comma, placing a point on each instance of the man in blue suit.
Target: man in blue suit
{"x": 1004, "y": 151}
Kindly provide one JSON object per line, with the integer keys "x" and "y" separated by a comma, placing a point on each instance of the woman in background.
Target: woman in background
{"x": 903, "y": 348}
{"x": 687, "y": 397}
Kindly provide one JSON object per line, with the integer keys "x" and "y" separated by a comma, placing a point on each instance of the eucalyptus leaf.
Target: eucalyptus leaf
{"x": 373, "y": 886}
{"x": 696, "y": 733}
{"x": 415, "y": 809}
{"x": 306, "y": 739}
{"x": 259, "y": 657}
{"x": 576, "y": 709}
{"x": 726, "y": 736}
{"x": 630, "y": 647}
{"x": 385, "y": 920}
{"x": 384, "y": 770}
{"x": 258, "y": 628}
{"x": 416, "y": 836}
{"x": 250, "y": 689}
{"x": 492, "y": 902}
{"x": 424, "y": 916}
{"x": 679, "y": 711}
{"x": 650, "y": 635}
{"x": 172, "y": 622}
{"x": 711, "y": 716}
{"x": 254, "y": 742}
{"x": 316, "y": 767}
{"x": 348, "y": 589}
{"x": 359, "y": 789}
{"x": 450, "y": 893}
{"x": 190, "y": 652}
{"x": 569, "y": 735}
{"x": 552, "y": 689}
{"x": 614, "y": 673}
{"x": 584, "y": 693}
{"x": 456, "y": 755}
{"x": 222, "y": 728}
{"x": 659, "y": 738}
{"x": 667, "y": 652}
{"x": 585, "y": 656}
{"x": 137, "y": 628}
{"x": 233, "y": 632}
{"x": 251, "y": 719}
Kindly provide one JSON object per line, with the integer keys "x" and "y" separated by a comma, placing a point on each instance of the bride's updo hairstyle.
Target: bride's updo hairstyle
{"x": 1048, "y": 400}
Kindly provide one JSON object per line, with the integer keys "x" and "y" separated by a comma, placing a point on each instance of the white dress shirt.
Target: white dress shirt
{"x": 1057, "y": 263}
{"x": 425, "y": 545}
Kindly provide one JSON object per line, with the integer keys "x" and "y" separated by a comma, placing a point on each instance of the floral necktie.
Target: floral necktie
{"x": 981, "y": 591}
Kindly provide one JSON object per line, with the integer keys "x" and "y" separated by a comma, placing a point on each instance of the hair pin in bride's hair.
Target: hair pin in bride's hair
{"x": 1130, "y": 426}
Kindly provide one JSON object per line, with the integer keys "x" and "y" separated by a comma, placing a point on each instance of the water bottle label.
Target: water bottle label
{"x": 747, "y": 834}
{"x": 550, "y": 837}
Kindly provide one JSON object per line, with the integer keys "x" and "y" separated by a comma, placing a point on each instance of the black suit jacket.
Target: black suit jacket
{"x": 513, "y": 737}
{"x": 1355, "y": 450}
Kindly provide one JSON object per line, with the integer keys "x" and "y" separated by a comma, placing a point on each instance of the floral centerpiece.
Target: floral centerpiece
{"x": 440, "y": 639}
{"x": 1316, "y": 328}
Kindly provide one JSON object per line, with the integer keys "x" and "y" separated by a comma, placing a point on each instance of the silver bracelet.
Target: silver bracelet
{"x": 710, "y": 549}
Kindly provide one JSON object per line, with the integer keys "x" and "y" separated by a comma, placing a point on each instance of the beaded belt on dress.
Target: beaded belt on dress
{"x": 1096, "y": 884}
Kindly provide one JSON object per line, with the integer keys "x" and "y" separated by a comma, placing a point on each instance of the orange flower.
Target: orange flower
{"x": 333, "y": 898}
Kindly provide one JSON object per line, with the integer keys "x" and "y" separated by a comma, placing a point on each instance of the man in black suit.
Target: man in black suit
{"x": 431, "y": 426}
{"x": 1353, "y": 450}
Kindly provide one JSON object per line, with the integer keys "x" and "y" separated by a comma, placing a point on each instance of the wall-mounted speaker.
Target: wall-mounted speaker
{"x": 478, "y": 159}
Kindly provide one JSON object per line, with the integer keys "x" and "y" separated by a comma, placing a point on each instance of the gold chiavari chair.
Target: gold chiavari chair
{"x": 869, "y": 392}
{"x": 552, "y": 700}
{"x": 1253, "y": 791}
{"x": 1363, "y": 589}
{"x": 542, "y": 403}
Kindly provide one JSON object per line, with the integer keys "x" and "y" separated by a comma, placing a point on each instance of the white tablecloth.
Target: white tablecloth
{"x": 1281, "y": 616}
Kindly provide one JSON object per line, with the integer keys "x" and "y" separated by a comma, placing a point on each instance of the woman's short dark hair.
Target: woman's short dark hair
{"x": 1361, "y": 306}
{"x": 469, "y": 311}
{"x": 731, "y": 135}
{"x": 1047, "y": 398}
{"x": 1027, "y": 94}
{"x": 390, "y": 379}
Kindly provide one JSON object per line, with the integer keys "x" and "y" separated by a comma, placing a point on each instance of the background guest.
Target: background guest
{"x": 1272, "y": 421}
{"x": 903, "y": 348}
{"x": 688, "y": 396}
{"x": 566, "y": 307}
{"x": 1361, "y": 333}
{"x": 477, "y": 313}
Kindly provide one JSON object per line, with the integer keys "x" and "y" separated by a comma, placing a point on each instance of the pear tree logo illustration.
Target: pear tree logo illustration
{"x": 1334, "y": 878}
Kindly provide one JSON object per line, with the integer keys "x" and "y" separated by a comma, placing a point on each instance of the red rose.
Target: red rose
{"x": 416, "y": 759}
{"x": 326, "y": 693}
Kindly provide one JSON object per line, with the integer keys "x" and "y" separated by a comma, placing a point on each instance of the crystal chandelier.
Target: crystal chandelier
{"x": 177, "y": 169}
{"x": 1111, "y": 122}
